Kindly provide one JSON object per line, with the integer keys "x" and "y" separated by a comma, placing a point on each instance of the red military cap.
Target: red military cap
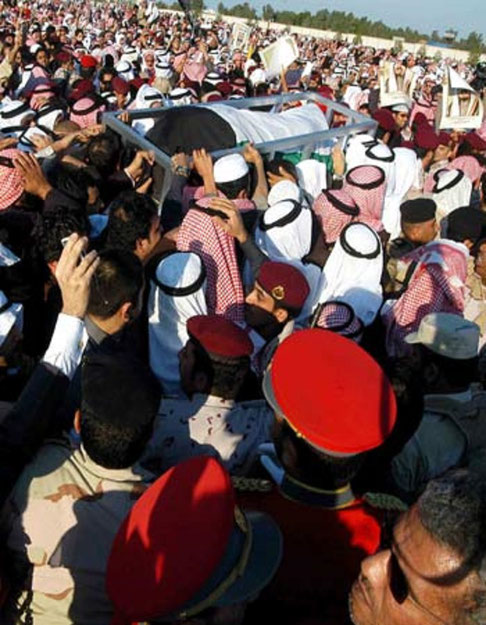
{"x": 220, "y": 336}
{"x": 420, "y": 120}
{"x": 331, "y": 392}
{"x": 426, "y": 138}
{"x": 172, "y": 540}
{"x": 63, "y": 56}
{"x": 88, "y": 61}
{"x": 185, "y": 547}
{"x": 82, "y": 89}
{"x": 119, "y": 85}
{"x": 475, "y": 141}
{"x": 224, "y": 88}
{"x": 444, "y": 138}
{"x": 285, "y": 283}
{"x": 137, "y": 82}
{"x": 385, "y": 119}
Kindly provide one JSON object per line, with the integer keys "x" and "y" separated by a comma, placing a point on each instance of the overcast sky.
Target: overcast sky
{"x": 425, "y": 16}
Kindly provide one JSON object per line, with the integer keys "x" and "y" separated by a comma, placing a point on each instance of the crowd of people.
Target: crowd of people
{"x": 248, "y": 387}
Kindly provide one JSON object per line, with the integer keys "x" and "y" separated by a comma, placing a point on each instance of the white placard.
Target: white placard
{"x": 240, "y": 36}
{"x": 279, "y": 56}
{"x": 461, "y": 106}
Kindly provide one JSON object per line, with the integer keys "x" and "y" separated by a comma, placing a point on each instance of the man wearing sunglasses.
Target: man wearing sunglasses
{"x": 432, "y": 572}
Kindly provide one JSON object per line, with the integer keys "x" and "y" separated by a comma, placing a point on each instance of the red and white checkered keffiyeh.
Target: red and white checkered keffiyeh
{"x": 199, "y": 234}
{"x": 366, "y": 185}
{"x": 469, "y": 165}
{"x": 330, "y": 216}
{"x": 11, "y": 183}
{"x": 339, "y": 317}
{"x": 242, "y": 204}
{"x": 85, "y": 112}
{"x": 437, "y": 285}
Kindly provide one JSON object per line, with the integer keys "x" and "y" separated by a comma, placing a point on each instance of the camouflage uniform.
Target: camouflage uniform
{"x": 60, "y": 521}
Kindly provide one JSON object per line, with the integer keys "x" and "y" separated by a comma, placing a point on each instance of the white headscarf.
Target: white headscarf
{"x": 125, "y": 70}
{"x": 406, "y": 177}
{"x": 285, "y": 231}
{"x": 452, "y": 190}
{"x": 356, "y": 148}
{"x": 177, "y": 293}
{"x": 284, "y": 190}
{"x": 147, "y": 96}
{"x": 12, "y": 116}
{"x": 312, "y": 177}
{"x": 352, "y": 273}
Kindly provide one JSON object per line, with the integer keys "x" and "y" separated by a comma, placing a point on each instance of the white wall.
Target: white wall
{"x": 375, "y": 42}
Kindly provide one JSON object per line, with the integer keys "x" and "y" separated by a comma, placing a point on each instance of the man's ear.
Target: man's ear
{"x": 127, "y": 312}
{"x": 201, "y": 382}
{"x": 140, "y": 247}
{"x": 77, "y": 421}
{"x": 281, "y": 315}
{"x": 52, "y": 264}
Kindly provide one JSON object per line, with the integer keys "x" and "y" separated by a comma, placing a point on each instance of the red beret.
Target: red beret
{"x": 475, "y": 141}
{"x": 88, "y": 61}
{"x": 337, "y": 397}
{"x": 137, "y": 82}
{"x": 63, "y": 56}
{"x": 82, "y": 89}
{"x": 426, "y": 138}
{"x": 219, "y": 336}
{"x": 326, "y": 92}
{"x": 172, "y": 540}
{"x": 420, "y": 120}
{"x": 119, "y": 85}
{"x": 285, "y": 283}
{"x": 444, "y": 138}
{"x": 385, "y": 119}
{"x": 224, "y": 88}
{"x": 214, "y": 97}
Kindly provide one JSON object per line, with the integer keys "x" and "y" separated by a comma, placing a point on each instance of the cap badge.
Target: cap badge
{"x": 278, "y": 292}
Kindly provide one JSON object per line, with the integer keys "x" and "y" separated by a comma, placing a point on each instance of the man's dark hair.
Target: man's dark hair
{"x": 57, "y": 226}
{"x": 234, "y": 187}
{"x": 103, "y": 152}
{"x": 274, "y": 165}
{"x": 131, "y": 217}
{"x": 118, "y": 279}
{"x": 458, "y": 374}
{"x": 315, "y": 467}
{"x": 120, "y": 398}
{"x": 222, "y": 373}
{"x": 74, "y": 181}
{"x": 453, "y": 510}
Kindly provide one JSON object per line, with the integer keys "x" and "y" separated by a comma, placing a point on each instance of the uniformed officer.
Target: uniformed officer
{"x": 419, "y": 226}
{"x": 333, "y": 403}
{"x": 214, "y": 366}
{"x": 186, "y": 550}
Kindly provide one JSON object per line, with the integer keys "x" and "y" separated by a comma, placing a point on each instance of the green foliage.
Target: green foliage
{"x": 342, "y": 22}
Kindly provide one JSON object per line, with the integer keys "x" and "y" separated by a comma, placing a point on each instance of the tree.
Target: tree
{"x": 197, "y": 6}
{"x": 268, "y": 13}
